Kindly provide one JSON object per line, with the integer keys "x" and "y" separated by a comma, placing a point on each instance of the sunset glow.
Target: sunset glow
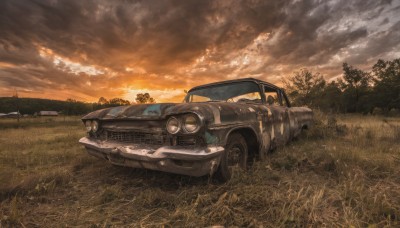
{"x": 89, "y": 49}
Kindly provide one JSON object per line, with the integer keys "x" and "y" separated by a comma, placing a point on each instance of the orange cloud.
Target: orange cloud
{"x": 90, "y": 49}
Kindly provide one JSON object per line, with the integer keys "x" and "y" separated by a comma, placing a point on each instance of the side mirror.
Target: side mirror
{"x": 270, "y": 100}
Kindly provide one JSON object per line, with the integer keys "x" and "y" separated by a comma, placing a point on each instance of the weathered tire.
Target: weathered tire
{"x": 235, "y": 156}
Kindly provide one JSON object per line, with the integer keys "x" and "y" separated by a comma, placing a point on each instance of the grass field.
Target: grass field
{"x": 343, "y": 172}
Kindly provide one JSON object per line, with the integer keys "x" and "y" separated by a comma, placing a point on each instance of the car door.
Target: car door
{"x": 278, "y": 116}
{"x": 296, "y": 117}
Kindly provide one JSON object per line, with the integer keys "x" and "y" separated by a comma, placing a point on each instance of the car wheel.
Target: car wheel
{"x": 234, "y": 157}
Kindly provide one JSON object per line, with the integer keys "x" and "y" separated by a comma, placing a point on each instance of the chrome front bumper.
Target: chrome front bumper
{"x": 193, "y": 161}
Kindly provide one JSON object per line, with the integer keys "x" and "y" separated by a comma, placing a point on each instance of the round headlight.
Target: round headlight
{"x": 88, "y": 125}
{"x": 173, "y": 125}
{"x": 191, "y": 123}
{"x": 95, "y": 125}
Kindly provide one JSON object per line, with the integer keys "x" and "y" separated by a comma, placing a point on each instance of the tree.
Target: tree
{"x": 304, "y": 87}
{"x": 75, "y": 107}
{"x": 356, "y": 85}
{"x": 144, "y": 98}
{"x": 102, "y": 101}
{"x": 330, "y": 99}
{"x": 118, "y": 102}
{"x": 387, "y": 84}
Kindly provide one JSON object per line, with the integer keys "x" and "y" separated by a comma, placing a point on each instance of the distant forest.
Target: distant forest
{"x": 357, "y": 91}
{"x": 68, "y": 107}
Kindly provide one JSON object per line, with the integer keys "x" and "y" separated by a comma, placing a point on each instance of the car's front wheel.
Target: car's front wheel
{"x": 234, "y": 158}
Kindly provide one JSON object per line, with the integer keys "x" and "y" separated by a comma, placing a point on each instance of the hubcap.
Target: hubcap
{"x": 235, "y": 156}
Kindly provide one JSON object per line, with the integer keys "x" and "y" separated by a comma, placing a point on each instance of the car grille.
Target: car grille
{"x": 136, "y": 137}
{"x": 189, "y": 141}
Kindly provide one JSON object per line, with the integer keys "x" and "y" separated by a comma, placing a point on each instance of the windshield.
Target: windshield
{"x": 232, "y": 92}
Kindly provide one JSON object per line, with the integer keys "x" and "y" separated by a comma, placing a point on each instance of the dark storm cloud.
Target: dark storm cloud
{"x": 381, "y": 43}
{"x": 157, "y": 40}
{"x": 312, "y": 30}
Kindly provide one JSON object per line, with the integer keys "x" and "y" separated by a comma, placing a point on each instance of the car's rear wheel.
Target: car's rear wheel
{"x": 234, "y": 158}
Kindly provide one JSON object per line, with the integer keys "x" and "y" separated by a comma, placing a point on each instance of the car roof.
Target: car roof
{"x": 233, "y": 81}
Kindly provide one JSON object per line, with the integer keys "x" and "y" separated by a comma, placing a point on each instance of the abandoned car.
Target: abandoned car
{"x": 218, "y": 127}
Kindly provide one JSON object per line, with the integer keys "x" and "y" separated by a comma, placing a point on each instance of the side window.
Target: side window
{"x": 197, "y": 98}
{"x": 284, "y": 103}
{"x": 271, "y": 96}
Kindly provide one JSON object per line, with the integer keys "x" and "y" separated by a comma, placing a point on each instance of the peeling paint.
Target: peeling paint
{"x": 210, "y": 139}
{"x": 266, "y": 139}
{"x": 153, "y": 110}
{"x": 216, "y": 113}
{"x": 272, "y": 132}
{"x": 269, "y": 113}
{"x": 117, "y": 110}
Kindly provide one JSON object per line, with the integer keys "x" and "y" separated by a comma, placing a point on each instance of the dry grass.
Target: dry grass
{"x": 343, "y": 172}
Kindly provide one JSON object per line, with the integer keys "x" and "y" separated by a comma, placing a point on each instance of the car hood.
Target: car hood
{"x": 216, "y": 112}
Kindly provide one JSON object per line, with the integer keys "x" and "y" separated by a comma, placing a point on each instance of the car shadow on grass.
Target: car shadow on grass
{"x": 135, "y": 177}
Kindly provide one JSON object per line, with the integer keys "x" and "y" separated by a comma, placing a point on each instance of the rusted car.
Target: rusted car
{"x": 219, "y": 127}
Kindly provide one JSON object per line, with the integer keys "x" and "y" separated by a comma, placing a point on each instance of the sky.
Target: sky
{"x": 88, "y": 49}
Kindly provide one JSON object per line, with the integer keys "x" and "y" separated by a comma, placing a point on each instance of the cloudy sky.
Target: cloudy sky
{"x": 86, "y": 49}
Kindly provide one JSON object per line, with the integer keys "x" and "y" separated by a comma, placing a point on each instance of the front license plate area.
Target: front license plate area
{"x": 115, "y": 158}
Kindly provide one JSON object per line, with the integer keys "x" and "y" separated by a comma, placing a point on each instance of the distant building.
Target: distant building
{"x": 47, "y": 113}
{"x": 13, "y": 115}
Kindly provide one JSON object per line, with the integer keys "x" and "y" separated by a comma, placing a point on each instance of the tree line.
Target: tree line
{"x": 31, "y": 106}
{"x": 357, "y": 91}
